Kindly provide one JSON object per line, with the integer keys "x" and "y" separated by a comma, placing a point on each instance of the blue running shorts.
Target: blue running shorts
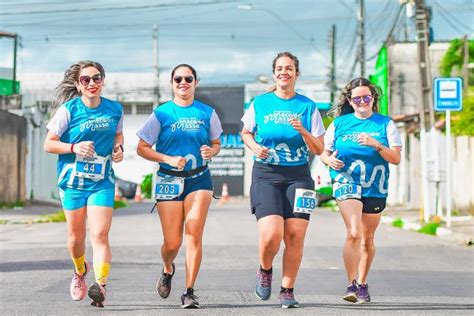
{"x": 73, "y": 199}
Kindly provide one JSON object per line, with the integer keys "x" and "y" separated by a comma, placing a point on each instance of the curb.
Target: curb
{"x": 405, "y": 224}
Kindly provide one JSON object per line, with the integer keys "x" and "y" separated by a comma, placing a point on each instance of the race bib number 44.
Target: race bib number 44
{"x": 90, "y": 167}
{"x": 168, "y": 188}
{"x": 305, "y": 201}
{"x": 343, "y": 191}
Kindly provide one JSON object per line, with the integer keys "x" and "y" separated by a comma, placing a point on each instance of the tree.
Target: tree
{"x": 454, "y": 57}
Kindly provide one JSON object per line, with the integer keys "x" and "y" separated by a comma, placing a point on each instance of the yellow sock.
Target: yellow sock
{"x": 79, "y": 264}
{"x": 101, "y": 271}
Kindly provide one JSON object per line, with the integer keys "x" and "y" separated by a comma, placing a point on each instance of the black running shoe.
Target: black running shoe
{"x": 97, "y": 294}
{"x": 163, "y": 286}
{"x": 189, "y": 300}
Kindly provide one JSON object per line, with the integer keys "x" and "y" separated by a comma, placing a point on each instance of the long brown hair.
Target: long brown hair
{"x": 343, "y": 106}
{"x": 67, "y": 90}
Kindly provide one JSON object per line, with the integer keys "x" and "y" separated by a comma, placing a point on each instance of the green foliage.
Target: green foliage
{"x": 327, "y": 120}
{"x": 146, "y": 186}
{"x": 398, "y": 223}
{"x": 454, "y": 58}
{"x": 429, "y": 229}
{"x": 12, "y": 205}
{"x": 57, "y": 217}
{"x": 119, "y": 204}
{"x": 462, "y": 122}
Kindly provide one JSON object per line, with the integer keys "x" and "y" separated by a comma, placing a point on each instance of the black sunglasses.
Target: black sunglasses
{"x": 365, "y": 98}
{"x": 179, "y": 79}
{"x": 85, "y": 80}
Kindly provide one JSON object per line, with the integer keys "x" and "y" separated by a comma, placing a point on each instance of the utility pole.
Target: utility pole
{"x": 465, "y": 66}
{"x": 421, "y": 20}
{"x": 361, "y": 31}
{"x": 156, "y": 71}
{"x": 332, "y": 74}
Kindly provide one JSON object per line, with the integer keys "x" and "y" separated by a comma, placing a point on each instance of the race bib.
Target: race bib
{"x": 305, "y": 201}
{"x": 343, "y": 191}
{"x": 90, "y": 167}
{"x": 168, "y": 188}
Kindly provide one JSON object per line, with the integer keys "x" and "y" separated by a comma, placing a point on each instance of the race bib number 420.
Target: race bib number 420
{"x": 305, "y": 201}
{"x": 343, "y": 191}
{"x": 168, "y": 188}
{"x": 90, "y": 167}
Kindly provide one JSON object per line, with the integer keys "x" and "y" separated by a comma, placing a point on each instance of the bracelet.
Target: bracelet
{"x": 72, "y": 148}
{"x": 379, "y": 147}
{"x": 121, "y": 147}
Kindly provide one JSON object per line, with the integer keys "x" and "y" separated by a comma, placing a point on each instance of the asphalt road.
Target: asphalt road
{"x": 413, "y": 274}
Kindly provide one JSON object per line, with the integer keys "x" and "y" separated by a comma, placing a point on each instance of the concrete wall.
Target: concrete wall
{"x": 12, "y": 157}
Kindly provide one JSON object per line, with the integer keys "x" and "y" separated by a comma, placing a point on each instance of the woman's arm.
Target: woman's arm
{"x": 389, "y": 154}
{"x": 249, "y": 140}
{"x": 53, "y": 145}
{"x": 315, "y": 144}
{"x": 146, "y": 151}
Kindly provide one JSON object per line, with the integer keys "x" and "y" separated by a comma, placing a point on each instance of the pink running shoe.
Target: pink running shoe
{"x": 97, "y": 294}
{"x": 78, "y": 286}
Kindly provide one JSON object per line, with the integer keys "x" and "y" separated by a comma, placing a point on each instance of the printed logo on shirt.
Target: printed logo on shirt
{"x": 97, "y": 124}
{"x": 187, "y": 124}
{"x": 353, "y": 137}
{"x": 281, "y": 117}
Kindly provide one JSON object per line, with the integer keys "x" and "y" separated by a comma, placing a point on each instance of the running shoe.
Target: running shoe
{"x": 163, "y": 286}
{"x": 351, "y": 292}
{"x": 263, "y": 285}
{"x": 287, "y": 299}
{"x": 189, "y": 300}
{"x": 78, "y": 287}
{"x": 97, "y": 294}
{"x": 363, "y": 295}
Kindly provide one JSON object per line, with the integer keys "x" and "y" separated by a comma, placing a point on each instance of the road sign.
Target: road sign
{"x": 447, "y": 94}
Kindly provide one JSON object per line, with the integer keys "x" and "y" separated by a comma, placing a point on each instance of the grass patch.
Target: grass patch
{"x": 12, "y": 205}
{"x": 429, "y": 229}
{"x": 57, "y": 217}
{"x": 3, "y": 221}
{"x": 325, "y": 191}
{"x": 398, "y": 223}
{"x": 119, "y": 204}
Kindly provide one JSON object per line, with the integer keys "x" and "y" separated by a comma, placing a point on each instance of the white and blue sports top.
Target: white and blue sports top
{"x": 181, "y": 131}
{"x": 74, "y": 122}
{"x": 363, "y": 165}
{"x": 268, "y": 118}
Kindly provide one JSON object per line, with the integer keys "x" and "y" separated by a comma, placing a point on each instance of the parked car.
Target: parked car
{"x": 127, "y": 188}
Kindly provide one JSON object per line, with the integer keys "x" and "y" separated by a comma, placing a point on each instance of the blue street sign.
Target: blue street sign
{"x": 447, "y": 94}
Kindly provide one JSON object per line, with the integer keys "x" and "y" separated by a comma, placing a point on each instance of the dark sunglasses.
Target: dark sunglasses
{"x": 85, "y": 80}
{"x": 179, "y": 79}
{"x": 365, "y": 98}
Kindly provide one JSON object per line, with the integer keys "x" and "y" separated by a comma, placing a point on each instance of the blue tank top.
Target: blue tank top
{"x": 363, "y": 165}
{"x": 273, "y": 129}
{"x": 85, "y": 124}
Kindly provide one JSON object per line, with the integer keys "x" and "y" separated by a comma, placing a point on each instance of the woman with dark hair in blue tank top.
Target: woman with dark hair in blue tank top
{"x": 281, "y": 128}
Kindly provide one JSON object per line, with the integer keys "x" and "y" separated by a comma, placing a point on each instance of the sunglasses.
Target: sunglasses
{"x": 85, "y": 80}
{"x": 179, "y": 79}
{"x": 365, "y": 98}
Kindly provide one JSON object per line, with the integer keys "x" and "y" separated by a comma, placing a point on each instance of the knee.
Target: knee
{"x": 294, "y": 241}
{"x": 172, "y": 245}
{"x": 367, "y": 243}
{"x": 194, "y": 238}
{"x": 101, "y": 238}
{"x": 75, "y": 240}
{"x": 354, "y": 235}
{"x": 271, "y": 242}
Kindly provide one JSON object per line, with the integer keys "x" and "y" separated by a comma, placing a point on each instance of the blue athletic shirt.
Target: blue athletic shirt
{"x": 181, "y": 131}
{"x": 74, "y": 122}
{"x": 268, "y": 118}
{"x": 363, "y": 165}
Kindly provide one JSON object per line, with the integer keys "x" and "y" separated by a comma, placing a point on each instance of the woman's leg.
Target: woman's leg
{"x": 351, "y": 211}
{"x": 100, "y": 220}
{"x": 76, "y": 239}
{"x": 295, "y": 232}
{"x": 171, "y": 218}
{"x": 270, "y": 231}
{"x": 196, "y": 206}
{"x": 370, "y": 223}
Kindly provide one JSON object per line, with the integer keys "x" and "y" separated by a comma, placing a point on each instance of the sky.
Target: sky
{"x": 227, "y": 41}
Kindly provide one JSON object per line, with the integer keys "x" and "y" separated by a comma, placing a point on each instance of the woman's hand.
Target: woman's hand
{"x": 297, "y": 125}
{"x": 335, "y": 163}
{"x": 85, "y": 148}
{"x": 206, "y": 152}
{"x": 176, "y": 161}
{"x": 261, "y": 152}
{"x": 117, "y": 154}
{"x": 365, "y": 140}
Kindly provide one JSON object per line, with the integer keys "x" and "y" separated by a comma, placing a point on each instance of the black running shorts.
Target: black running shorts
{"x": 273, "y": 189}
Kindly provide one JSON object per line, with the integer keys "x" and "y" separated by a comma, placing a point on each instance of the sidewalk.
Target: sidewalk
{"x": 29, "y": 212}
{"x": 461, "y": 230}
